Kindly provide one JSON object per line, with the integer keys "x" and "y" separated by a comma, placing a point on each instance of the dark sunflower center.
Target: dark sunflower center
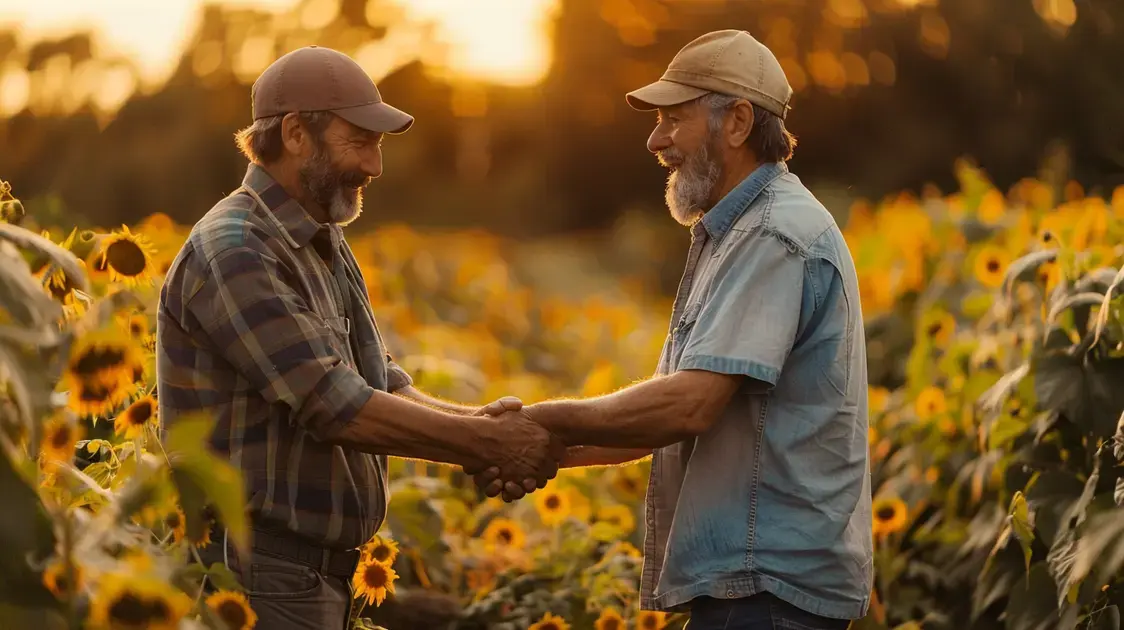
{"x": 130, "y": 609}
{"x": 233, "y": 613}
{"x": 93, "y": 392}
{"x": 126, "y": 257}
{"x": 381, "y": 553}
{"x": 993, "y": 265}
{"x": 648, "y": 622}
{"x": 375, "y": 576}
{"x": 885, "y": 513}
{"x": 506, "y": 535}
{"x": 550, "y": 625}
{"x": 553, "y": 502}
{"x": 158, "y": 610}
{"x": 140, "y": 412}
{"x": 935, "y": 329}
{"x": 96, "y": 359}
{"x": 172, "y": 520}
{"x": 612, "y": 623}
{"x": 61, "y": 437}
{"x": 62, "y": 585}
{"x": 136, "y": 328}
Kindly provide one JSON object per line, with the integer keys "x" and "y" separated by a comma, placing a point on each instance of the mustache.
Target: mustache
{"x": 670, "y": 157}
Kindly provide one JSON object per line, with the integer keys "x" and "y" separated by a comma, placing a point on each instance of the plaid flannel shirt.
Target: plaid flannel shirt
{"x": 256, "y": 328}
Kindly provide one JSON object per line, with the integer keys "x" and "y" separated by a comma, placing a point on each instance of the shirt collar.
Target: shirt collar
{"x": 723, "y": 215}
{"x": 296, "y": 225}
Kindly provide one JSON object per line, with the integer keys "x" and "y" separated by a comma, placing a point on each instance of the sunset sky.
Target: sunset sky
{"x": 502, "y": 41}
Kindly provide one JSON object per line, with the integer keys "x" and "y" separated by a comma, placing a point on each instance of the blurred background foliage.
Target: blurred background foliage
{"x": 523, "y": 129}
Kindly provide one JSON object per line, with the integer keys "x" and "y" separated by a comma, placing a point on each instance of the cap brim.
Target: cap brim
{"x": 378, "y": 117}
{"x": 662, "y": 93}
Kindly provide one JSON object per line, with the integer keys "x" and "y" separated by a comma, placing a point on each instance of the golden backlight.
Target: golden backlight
{"x": 495, "y": 41}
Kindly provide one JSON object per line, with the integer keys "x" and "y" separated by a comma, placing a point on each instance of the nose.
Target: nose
{"x": 371, "y": 165}
{"x": 658, "y": 141}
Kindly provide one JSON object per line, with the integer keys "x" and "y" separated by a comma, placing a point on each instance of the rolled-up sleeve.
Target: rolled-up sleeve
{"x": 749, "y": 323}
{"x": 267, "y": 332}
{"x": 396, "y": 377}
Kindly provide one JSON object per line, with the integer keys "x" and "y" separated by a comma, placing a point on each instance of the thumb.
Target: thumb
{"x": 499, "y": 407}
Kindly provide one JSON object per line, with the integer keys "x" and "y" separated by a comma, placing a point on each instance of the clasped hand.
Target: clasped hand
{"x": 525, "y": 456}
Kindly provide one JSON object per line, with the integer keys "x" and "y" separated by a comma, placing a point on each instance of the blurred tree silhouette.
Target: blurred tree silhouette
{"x": 888, "y": 97}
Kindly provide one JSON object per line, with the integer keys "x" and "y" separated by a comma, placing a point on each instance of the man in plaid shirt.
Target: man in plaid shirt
{"x": 264, "y": 321}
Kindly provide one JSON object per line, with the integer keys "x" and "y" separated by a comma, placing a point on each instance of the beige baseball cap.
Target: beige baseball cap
{"x": 315, "y": 79}
{"x": 728, "y": 62}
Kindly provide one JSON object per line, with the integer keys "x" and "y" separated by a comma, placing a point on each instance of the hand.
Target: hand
{"x": 523, "y": 453}
{"x": 507, "y": 403}
{"x": 492, "y": 486}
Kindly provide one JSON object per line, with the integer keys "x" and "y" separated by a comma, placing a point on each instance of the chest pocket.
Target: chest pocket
{"x": 683, "y": 328}
{"x": 340, "y": 337}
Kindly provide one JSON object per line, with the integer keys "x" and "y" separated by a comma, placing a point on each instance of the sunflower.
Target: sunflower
{"x": 233, "y": 608}
{"x": 136, "y": 324}
{"x": 938, "y": 327}
{"x": 205, "y": 538}
{"x": 382, "y": 550}
{"x": 176, "y": 522}
{"x": 619, "y": 516}
{"x": 930, "y": 402}
{"x": 628, "y": 482}
{"x": 504, "y": 532}
{"x": 127, "y": 256}
{"x": 125, "y": 602}
{"x": 59, "y": 437}
{"x": 877, "y": 399}
{"x": 992, "y": 207}
{"x": 57, "y": 580}
{"x": 991, "y": 266}
{"x": 550, "y": 621}
{"x": 131, "y": 422}
{"x": 1049, "y": 274}
{"x": 890, "y": 514}
{"x": 374, "y": 580}
{"x": 623, "y": 548}
{"x": 552, "y": 505}
{"x": 609, "y": 619}
{"x": 97, "y": 398}
{"x": 651, "y": 620}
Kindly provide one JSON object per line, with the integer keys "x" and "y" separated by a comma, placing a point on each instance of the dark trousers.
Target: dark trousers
{"x": 287, "y": 595}
{"x": 759, "y": 612}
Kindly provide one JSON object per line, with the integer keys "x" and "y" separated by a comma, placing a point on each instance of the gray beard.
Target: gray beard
{"x": 690, "y": 186}
{"x": 328, "y": 188}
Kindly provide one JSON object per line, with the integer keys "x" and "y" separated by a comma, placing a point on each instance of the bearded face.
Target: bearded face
{"x": 693, "y": 177}
{"x": 339, "y": 192}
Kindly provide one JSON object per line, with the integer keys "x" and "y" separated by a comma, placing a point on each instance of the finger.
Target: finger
{"x": 491, "y": 409}
{"x": 513, "y": 490}
{"x": 493, "y": 489}
{"x": 487, "y": 476}
{"x": 530, "y": 485}
{"x": 510, "y": 403}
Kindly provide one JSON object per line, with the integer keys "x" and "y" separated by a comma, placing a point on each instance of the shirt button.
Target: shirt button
{"x": 730, "y": 592}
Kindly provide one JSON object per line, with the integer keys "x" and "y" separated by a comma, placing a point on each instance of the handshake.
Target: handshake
{"x": 520, "y": 454}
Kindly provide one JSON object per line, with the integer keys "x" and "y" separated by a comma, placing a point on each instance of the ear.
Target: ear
{"x": 293, "y": 135}
{"x": 739, "y": 123}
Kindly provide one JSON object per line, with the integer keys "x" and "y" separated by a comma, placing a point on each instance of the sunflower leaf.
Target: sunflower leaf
{"x": 1023, "y": 268}
{"x": 1103, "y": 314}
{"x": 103, "y": 311}
{"x": 203, "y": 479}
{"x": 60, "y": 257}
{"x": 21, "y": 295}
{"x": 1077, "y": 300}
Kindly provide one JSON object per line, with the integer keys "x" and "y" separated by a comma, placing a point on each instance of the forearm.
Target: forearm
{"x": 649, "y": 415}
{"x": 583, "y": 456}
{"x": 436, "y": 403}
{"x": 390, "y": 425}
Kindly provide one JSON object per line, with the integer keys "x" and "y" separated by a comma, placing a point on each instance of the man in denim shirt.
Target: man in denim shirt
{"x": 758, "y": 511}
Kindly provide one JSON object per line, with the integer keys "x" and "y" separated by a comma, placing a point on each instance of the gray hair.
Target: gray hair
{"x": 261, "y": 141}
{"x": 768, "y": 139}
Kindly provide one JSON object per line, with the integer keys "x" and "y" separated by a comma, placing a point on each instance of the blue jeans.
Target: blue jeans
{"x": 759, "y": 612}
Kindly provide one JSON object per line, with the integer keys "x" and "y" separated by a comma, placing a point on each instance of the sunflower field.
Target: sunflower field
{"x": 995, "y": 338}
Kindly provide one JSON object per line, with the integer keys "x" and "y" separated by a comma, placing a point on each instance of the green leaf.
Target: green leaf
{"x": 1072, "y": 301}
{"x": 29, "y": 535}
{"x": 1050, "y": 497}
{"x": 1021, "y": 525}
{"x": 202, "y": 480}
{"x": 1086, "y": 392}
{"x": 414, "y": 520}
{"x": 1103, "y": 314}
{"x": 1032, "y": 605}
{"x": 66, "y": 262}
{"x": 1100, "y": 549}
{"x": 21, "y": 295}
